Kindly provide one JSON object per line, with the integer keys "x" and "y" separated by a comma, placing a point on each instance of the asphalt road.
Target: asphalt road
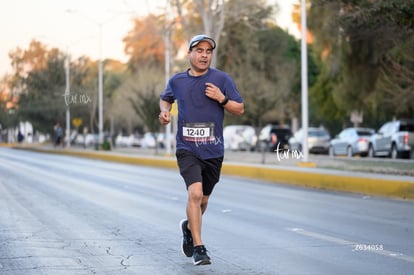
{"x": 67, "y": 215}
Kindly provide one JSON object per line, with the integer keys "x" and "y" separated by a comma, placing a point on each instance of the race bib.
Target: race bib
{"x": 198, "y": 132}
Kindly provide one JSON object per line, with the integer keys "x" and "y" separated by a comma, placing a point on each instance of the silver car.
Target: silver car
{"x": 351, "y": 141}
{"x": 318, "y": 140}
{"x": 394, "y": 139}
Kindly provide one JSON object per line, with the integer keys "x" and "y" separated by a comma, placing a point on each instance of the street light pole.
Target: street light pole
{"x": 100, "y": 87}
{"x": 67, "y": 79}
{"x": 100, "y": 71}
{"x": 67, "y": 90}
{"x": 304, "y": 67}
{"x": 167, "y": 70}
{"x": 67, "y": 94}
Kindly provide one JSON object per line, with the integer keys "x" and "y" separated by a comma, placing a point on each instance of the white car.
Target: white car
{"x": 239, "y": 138}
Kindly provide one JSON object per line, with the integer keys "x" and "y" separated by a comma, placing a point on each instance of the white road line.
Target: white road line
{"x": 374, "y": 248}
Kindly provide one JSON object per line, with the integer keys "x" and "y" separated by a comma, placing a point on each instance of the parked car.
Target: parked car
{"x": 351, "y": 141}
{"x": 123, "y": 140}
{"x": 318, "y": 140}
{"x": 163, "y": 141}
{"x": 274, "y": 136}
{"x": 148, "y": 140}
{"x": 85, "y": 139}
{"x": 151, "y": 140}
{"x": 394, "y": 139}
{"x": 133, "y": 140}
{"x": 239, "y": 138}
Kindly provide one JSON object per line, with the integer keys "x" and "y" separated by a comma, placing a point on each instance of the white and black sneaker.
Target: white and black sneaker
{"x": 200, "y": 256}
{"x": 187, "y": 247}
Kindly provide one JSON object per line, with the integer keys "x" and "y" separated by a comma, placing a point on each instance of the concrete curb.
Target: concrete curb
{"x": 368, "y": 184}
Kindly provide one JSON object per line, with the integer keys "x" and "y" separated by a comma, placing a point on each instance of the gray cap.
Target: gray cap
{"x": 201, "y": 37}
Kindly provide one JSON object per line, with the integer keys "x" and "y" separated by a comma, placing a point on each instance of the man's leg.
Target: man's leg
{"x": 194, "y": 211}
{"x": 192, "y": 207}
{"x": 204, "y": 202}
{"x": 196, "y": 206}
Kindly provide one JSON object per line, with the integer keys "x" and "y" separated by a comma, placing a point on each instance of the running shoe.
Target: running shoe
{"x": 187, "y": 248}
{"x": 200, "y": 256}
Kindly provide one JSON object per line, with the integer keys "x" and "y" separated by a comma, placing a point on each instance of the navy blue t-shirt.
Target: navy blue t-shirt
{"x": 200, "y": 119}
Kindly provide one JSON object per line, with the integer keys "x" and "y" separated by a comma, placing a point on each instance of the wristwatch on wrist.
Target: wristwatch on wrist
{"x": 224, "y": 102}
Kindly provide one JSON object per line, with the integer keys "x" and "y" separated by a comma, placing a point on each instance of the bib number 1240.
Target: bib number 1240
{"x": 196, "y": 132}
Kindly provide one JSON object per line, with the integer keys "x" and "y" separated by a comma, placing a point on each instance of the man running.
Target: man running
{"x": 202, "y": 94}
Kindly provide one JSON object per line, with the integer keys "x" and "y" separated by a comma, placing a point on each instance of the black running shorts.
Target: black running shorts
{"x": 193, "y": 169}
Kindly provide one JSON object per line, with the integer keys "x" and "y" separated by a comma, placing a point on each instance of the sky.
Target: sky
{"x": 73, "y": 25}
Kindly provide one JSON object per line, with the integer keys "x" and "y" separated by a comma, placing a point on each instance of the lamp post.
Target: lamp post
{"x": 100, "y": 87}
{"x": 67, "y": 94}
{"x": 67, "y": 80}
{"x": 167, "y": 69}
{"x": 100, "y": 25}
{"x": 67, "y": 91}
{"x": 304, "y": 71}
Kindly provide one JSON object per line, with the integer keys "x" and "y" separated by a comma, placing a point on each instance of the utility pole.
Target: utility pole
{"x": 304, "y": 67}
{"x": 67, "y": 95}
{"x": 100, "y": 88}
{"x": 100, "y": 25}
{"x": 167, "y": 70}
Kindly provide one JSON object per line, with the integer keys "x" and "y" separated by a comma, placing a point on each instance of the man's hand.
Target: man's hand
{"x": 214, "y": 92}
{"x": 164, "y": 117}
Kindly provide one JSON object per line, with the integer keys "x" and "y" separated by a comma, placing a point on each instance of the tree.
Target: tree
{"x": 41, "y": 78}
{"x": 264, "y": 61}
{"x": 144, "y": 98}
{"x": 84, "y": 72}
{"x": 144, "y": 108}
{"x": 144, "y": 44}
{"x": 40, "y": 81}
{"x": 365, "y": 48}
{"x": 208, "y": 17}
{"x": 7, "y": 109}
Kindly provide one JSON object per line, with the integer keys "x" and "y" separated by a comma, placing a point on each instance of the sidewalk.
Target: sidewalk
{"x": 268, "y": 167}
